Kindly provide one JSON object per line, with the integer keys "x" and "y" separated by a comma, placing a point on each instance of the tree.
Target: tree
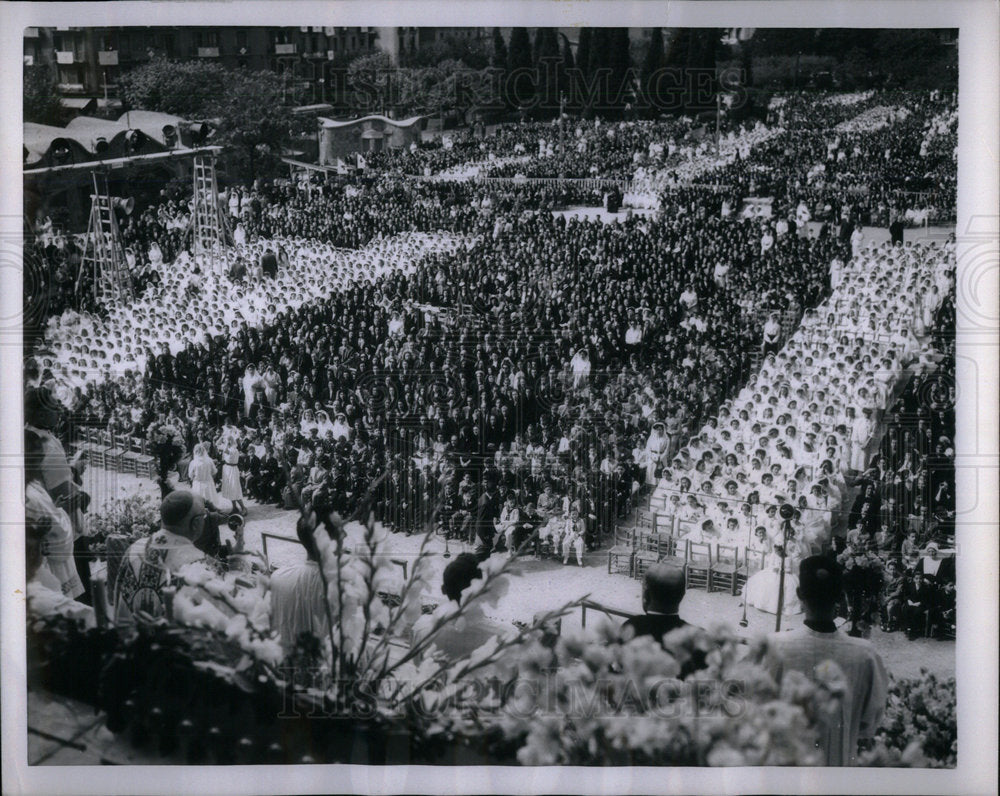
{"x": 547, "y": 67}
{"x": 583, "y": 48}
{"x": 41, "y": 99}
{"x": 651, "y": 65}
{"x": 619, "y": 61}
{"x": 566, "y": 67}
{"x": 519, "y": 86}
{"x": 247, "y": 107}
{"x": 189, "y": 89}
{"x": 499, "y": 58}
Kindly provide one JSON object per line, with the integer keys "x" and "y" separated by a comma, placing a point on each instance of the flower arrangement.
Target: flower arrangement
{"x": 167, "y": 443}
{"x": 136, "y": 515}
{"x": 591, "y": 700}
{"x": 919, "y": 728}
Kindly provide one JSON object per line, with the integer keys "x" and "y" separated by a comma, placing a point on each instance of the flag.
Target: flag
{"x": 361, "y": 161}
{"x": 341, "y": 167}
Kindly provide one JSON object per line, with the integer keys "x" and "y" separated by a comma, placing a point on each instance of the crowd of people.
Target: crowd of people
{"x": 463, "y": 358}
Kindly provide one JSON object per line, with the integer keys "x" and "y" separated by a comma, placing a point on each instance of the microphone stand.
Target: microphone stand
{"x": 785, "y": 528}
{"x": 744, "y": 622}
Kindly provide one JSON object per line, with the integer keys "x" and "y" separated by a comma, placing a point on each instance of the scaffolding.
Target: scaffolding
{"x": 103, "y": 254}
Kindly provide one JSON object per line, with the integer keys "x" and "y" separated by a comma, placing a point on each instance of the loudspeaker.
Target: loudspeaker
{"x": 125, "y": 205}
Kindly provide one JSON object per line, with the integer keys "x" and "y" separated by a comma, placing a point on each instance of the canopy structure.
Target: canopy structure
{"x": 87, "y": 138}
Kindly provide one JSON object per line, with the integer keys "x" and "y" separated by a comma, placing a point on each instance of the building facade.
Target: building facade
{"x": 87, "y": 61}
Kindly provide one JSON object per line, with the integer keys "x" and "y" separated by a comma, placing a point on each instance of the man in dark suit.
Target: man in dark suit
{"x": 662, "y": 591}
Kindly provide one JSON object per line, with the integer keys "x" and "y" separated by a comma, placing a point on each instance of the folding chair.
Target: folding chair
{"x": 722, "y": 574}
{"x": 753, "y": 561}
{"x": 622, "y": 553}
{"x": 699, "y": 565}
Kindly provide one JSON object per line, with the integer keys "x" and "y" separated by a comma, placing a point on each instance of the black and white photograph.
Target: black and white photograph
{"x": 561, "y": 396}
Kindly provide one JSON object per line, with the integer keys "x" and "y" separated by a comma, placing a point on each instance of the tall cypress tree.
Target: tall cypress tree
{"x": 651, "y": 64}
{"x": 519, "y": 85}
{"x": 619, "y": 60}
{"x": 597, "y": 66}
{"x": 566, "y": 65}
{"x": 499, "y": 59}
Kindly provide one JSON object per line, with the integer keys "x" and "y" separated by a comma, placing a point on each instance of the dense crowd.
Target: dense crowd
{"x": 485, "y": 365}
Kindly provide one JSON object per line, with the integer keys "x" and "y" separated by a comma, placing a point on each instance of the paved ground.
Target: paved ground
{"x": 546, "y": 584}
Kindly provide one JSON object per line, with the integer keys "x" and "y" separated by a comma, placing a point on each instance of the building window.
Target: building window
{"x": 241, "y": 40}
{"x": 208, "y": 38}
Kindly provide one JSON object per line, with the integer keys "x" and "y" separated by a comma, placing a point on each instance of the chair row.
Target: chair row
{"x": 118, "y": 452}
{"x": 723, "y": 569}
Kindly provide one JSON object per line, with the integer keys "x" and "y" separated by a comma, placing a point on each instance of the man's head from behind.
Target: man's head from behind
{"x": 184, "y": 513}
{"x": 459, "y": 574}
{"x": 821, "y": 585}
{"x": 663, "y": 589}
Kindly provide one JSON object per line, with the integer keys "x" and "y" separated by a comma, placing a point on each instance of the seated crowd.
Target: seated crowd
{"x": 495, "y": 369}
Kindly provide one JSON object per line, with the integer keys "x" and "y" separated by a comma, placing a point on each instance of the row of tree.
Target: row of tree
{"x": 600, "y": 77}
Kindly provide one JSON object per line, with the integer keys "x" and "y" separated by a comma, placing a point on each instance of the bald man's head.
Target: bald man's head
{"x": 663, "y": 589}
{"x": 183, "y": 513}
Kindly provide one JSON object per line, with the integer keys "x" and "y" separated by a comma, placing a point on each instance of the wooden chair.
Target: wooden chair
{"x": 113, "y": 454}
{"x": 95, "y": 448}
{"x": 673, "y": 550}
{"x": 753, "y": 561}
{"x": 622, "y": 554}
{"x": 722, "y": 574}
{"x": 657, "y": 502}
{"x": 131, "y": 455}
{"x": 664, "y": 523}
{"x": 647, "y": 552}
{"x": 145, "y": 463}
{"x": 684, "y": 527}
{"x": 645, "y": 520}
{"x": 699, "y": 565}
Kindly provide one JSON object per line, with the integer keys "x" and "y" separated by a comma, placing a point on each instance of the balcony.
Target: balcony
{"x": 208, "y": 52}
{"x": 31, "y": 33}
{"x": 284, "y": 49}
{"x": 65, "y": 57}
{"x": 29, "y": 60}
{"x": 107, "y": 58}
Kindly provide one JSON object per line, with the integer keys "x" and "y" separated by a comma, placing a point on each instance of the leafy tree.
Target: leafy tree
{"x": 41, "y": 98}
{"x": 252, "y": 123}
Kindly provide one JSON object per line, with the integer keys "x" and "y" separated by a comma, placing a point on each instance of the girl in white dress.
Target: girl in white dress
{"x": 762, "y": 587}
{"x": 232, "y": 487}
{"x": 201, "y": 471}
